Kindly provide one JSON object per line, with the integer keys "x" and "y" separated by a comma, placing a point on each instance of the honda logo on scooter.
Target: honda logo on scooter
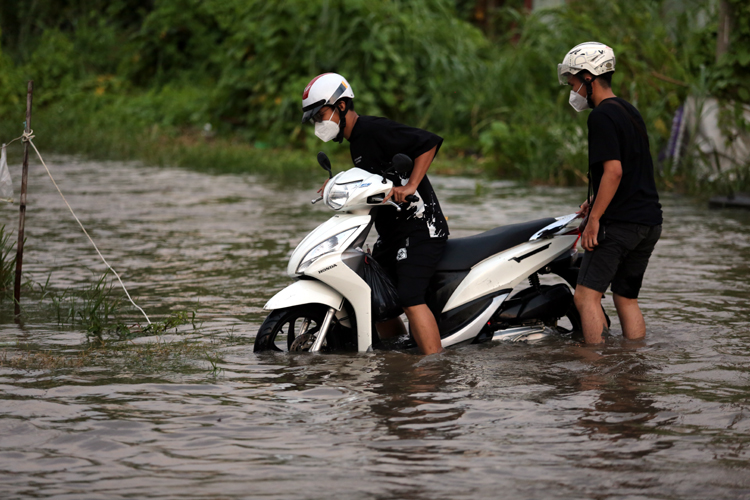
{"x": 326, "y": 269}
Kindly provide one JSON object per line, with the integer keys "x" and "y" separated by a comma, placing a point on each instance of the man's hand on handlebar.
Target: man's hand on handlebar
{"x": 400, "y": 193}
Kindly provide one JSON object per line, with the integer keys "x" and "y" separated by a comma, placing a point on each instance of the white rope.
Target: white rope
{"x": 26, "y": 137}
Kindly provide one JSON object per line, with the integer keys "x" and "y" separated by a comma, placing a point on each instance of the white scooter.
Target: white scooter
{"x": 472, "y": 294}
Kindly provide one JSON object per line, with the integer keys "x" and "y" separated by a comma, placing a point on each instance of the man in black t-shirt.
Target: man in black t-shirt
{"x": 411, "y": 241}
{"x": 623, "y": 217}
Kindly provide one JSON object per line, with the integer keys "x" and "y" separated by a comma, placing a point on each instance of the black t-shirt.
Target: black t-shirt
{"x": 373, "y": 143}
{"x": 613, "y": 135}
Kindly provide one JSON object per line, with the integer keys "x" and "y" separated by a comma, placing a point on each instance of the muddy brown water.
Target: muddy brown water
{"x": 666, "y": 418}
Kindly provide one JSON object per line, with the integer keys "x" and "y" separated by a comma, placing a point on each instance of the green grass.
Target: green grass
{"x": 109, "y": 329}
{"x": 78, "y": 133}
{"x": 159, "y": 356}
{"x": 103, "y": 313}
{"x": 7, "y": 263}
{"x": 81, "y": 134}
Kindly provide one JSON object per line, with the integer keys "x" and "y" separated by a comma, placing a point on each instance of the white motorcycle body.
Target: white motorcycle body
{"x": 474, "y": 280}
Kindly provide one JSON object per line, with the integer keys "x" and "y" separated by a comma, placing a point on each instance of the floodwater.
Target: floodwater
{"x": 666, "y": 418}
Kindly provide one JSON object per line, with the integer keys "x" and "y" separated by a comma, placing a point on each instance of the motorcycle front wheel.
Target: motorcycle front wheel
{"x": 297, "y": 327}
{"x": 286, "y": 325}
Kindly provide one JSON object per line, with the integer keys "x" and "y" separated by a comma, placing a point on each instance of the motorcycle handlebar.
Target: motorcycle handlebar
{"x": 378, "y": 199}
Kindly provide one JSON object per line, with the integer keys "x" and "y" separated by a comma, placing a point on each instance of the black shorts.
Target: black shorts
{"x": 620, "y": 258}
{"x": 410, "y": 262}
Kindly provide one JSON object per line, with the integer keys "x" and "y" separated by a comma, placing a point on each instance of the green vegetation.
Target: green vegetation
{"x": 99, "y": 310}
{"x": 107, "y": 321}
{"x": 110, "y": 326}
{"x": 216, "y": 84}
{"x": 730, "y": 77}
{"x": 159, "y": 356}
{"x": 7, "y": 263}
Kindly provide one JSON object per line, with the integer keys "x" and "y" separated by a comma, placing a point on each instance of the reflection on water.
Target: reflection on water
{"x": 667, "y": 417}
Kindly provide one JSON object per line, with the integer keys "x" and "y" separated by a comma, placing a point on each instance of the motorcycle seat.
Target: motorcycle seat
{"x": 462, "y": 253}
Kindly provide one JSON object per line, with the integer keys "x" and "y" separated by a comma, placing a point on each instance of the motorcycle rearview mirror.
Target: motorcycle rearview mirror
{"x": 401, "y": 164}
{"x": 325, "y": 163}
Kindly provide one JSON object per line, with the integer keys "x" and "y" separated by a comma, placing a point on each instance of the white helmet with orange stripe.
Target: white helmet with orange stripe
{"x": 324, "y": 90}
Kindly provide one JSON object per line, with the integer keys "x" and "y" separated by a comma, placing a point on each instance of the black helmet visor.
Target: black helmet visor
{"x": 309, "y": 111}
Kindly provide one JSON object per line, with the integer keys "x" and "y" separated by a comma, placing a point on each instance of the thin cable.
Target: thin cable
{"x": 26, "y": 137}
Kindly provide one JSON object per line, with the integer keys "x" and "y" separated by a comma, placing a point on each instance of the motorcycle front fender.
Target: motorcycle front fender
{"x": 306, "y": 292}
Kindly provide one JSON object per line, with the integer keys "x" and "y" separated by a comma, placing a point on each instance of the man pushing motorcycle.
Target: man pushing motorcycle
{"x": 624, "y": 215}
{"x": 410, "y": 242}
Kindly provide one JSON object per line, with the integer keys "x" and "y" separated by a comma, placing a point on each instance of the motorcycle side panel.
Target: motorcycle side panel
{"x": 507, "y": 269}
{"x": 331, "y": 270}
{"x": 471, "y": 330}
{"x": 305, "y": 292}
{"x": 546, "y": 303}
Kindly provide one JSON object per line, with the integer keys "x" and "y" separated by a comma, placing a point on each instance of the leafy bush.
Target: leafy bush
{"x": 411, "y": 61}
{"x": 544, "y": 135}
{"x": 731, "y": 78}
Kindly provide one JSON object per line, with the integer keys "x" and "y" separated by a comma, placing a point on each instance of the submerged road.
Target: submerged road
{"x": 666, "y": 418}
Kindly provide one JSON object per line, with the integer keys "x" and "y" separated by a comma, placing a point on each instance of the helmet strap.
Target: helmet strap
{"x": 342, "y": 121}
{"x": 589, "y": 91}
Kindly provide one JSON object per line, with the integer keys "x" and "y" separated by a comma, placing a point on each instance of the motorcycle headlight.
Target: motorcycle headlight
{"x": 339, "y": 193}
{"x": 332, "y": 244}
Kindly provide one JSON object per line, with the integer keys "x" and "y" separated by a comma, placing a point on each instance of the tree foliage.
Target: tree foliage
{"x": 731, "y": 79}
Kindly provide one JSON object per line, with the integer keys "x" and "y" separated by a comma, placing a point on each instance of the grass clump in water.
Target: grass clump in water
{"x": 107, "y": 321}
{"x": 43, "y": 360}
{"x": 7, "y": 262}
{"x": 99, "y": 311}
{"x": 122, "y": 357}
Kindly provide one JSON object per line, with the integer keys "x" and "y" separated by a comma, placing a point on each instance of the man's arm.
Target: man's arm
{"x": 421, "y": 164}
{"x": 607, "y": 189}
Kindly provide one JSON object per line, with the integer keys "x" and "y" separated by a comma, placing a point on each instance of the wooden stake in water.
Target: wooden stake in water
{"x": 22, "y": 217}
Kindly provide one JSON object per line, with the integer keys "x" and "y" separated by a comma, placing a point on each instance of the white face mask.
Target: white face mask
{"x": 578, "y": 102}
{"x": 327, "y": 130}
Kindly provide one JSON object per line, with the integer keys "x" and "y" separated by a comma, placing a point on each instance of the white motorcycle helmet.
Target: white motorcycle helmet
{"x": 594, "y": 57}
{"x": 324, "y": 90}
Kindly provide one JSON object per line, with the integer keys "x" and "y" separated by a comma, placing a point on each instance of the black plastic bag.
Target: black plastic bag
{"x": 383, "y": 297}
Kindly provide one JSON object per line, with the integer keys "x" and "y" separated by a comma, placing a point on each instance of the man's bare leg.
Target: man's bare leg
{"x": 589, "y": 305}
{"x": 424, "y": 328}
{"x": 391, "y": 328}
{"x": 631, "y": 318}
